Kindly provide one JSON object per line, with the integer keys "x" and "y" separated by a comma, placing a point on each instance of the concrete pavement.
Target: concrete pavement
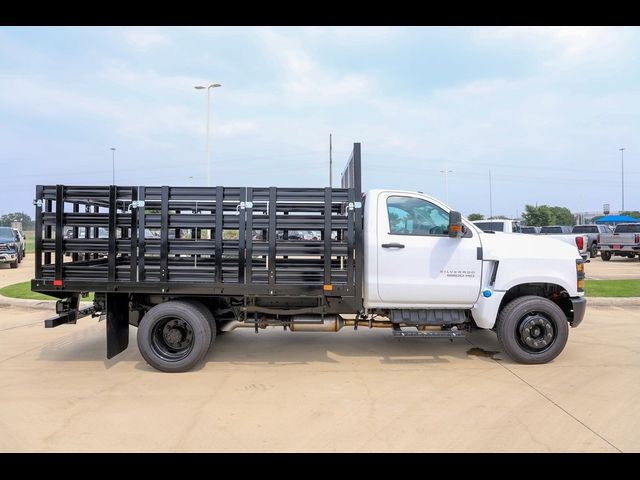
{"x": 617, "y": 268}
{"x": 350, "y": 391}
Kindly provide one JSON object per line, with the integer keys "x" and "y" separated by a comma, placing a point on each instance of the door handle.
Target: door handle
{"x": 392, "y": 245}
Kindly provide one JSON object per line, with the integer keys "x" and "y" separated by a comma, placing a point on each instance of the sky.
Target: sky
{"x": 546, "y": 109}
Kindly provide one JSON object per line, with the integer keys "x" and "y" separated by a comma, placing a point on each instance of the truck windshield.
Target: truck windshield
{"x": 628, "y": 228}
{"x": 551, "y": 230}
{"x": 529, "y": 230}
{"x": 6, "y": 235}
{"x": 585, "y": 229}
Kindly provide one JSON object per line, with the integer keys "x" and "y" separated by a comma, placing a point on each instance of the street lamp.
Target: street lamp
{"x": 113, "y": 161}
{"x": 446, "y": 184}
{"x": 208, "y": 160}
{"x": 622, "y": 153}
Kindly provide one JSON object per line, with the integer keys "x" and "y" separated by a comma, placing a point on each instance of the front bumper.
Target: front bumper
{"x": 8, "y": 257}
{"x": 579, "y": 308}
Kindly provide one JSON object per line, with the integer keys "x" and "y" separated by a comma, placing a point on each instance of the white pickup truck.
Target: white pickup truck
{"x": 396, "y": 259}
{"x": 557, "y": 232}
{"x": 623, "y": 242}
{"x": 499, "y": 225}
{"x": 563, "y": 233}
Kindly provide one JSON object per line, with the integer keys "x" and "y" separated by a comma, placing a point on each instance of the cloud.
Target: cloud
{"x": 561, "y": 47}
{"x": 305, "y": 78}
{"x": 143, "y": 40}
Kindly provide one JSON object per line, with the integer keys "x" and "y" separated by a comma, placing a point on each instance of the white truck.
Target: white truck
{"x": 557, "y": 232}
{"x": 623, "y": 242}
{"x": 499, "y": 225}
{"x": 563, "y": 234}
{"x": 391, "y": 258}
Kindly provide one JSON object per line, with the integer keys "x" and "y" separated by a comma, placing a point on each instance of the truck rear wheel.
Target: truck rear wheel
{"x": 532, "y": 329}
{"x": 593, "y": 253}
{"x": 606, "y": 256}
{"x": 208, "y": 315}
{"x": 174, "y": 336}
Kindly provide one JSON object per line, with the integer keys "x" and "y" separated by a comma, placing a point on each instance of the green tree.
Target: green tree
{"x": 27, "y": 223}
{"x": 562, "y": 216}
{"x": 499, "y": 217}
{"x": 475, "y": 216}
{"x": 538, "y": 216}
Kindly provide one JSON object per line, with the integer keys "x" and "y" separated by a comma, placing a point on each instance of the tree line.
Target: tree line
{"x": 539, "y": 216}
{"x": 27, "y": 222}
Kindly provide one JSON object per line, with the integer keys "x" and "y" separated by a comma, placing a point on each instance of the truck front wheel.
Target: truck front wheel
{"x": 532, "y": 329}
{"x": 606, "y": 256}
{"x": 174, "y": 336}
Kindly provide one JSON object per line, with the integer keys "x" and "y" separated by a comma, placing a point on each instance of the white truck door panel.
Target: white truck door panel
{"x": 418, "y": 263}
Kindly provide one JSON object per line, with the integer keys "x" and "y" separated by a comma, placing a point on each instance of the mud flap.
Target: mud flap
{"x": 117, "y": 323}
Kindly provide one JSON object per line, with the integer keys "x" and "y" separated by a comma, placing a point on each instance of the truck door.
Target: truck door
{"x": 418, "y": 263}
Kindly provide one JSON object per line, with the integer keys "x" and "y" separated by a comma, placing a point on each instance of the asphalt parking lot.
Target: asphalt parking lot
{"x": 350, "y": 391}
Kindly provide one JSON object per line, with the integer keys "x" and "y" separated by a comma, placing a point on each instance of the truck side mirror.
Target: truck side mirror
{"x": 455, "y": 224}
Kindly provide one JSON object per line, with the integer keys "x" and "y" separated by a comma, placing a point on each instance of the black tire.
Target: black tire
{"x": 14, "y": 264}
{"x": 549, "y": 329}
{"x": 593, "y": 252}
{"x": 606, "y": 256}
{"x": 209, "y": 316}
{"x": 174, "y": 336}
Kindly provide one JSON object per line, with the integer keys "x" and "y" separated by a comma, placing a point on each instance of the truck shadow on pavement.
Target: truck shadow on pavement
{"x": 273, "y": 347}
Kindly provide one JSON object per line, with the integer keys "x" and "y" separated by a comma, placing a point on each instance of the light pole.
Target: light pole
{"x": 446, "y": 184}
{"x": 622, "y": 153}
{"x": 490, "y": 197}
{"x": 113, "y": 161}
{"x": 208, "y": 87}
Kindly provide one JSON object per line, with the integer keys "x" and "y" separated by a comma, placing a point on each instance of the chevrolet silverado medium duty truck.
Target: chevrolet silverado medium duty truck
{"x": 390, "y": 258}
{"x": 623, "y": 242}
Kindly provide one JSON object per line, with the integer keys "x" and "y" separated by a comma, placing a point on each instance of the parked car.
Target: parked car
{"x": 502, "y": 225}
{"x": 593, "y": 233}
{"x": 623, "y": 242}
{"x": 530, "y": 230}
{"x": 20, "y": 243}
{"x": 8, "y": 247}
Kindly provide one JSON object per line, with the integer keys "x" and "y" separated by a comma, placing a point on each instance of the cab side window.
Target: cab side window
{"x": 415, "y": 216}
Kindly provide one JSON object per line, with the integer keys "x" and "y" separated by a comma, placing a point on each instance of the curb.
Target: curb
{"x": 34, "y": 304}
{"x": 613, "y": 301}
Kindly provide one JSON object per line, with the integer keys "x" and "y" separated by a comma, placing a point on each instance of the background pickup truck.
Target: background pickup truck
{"x": 505, "y": 225}
{"x": 563, "y": 233}
{"x": 8, "y": 248}
{"x": 593, "y": 233}
{"x": 623, "y": 242}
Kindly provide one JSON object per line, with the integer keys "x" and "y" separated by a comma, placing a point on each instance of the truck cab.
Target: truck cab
{"x": 413, "y": 261}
